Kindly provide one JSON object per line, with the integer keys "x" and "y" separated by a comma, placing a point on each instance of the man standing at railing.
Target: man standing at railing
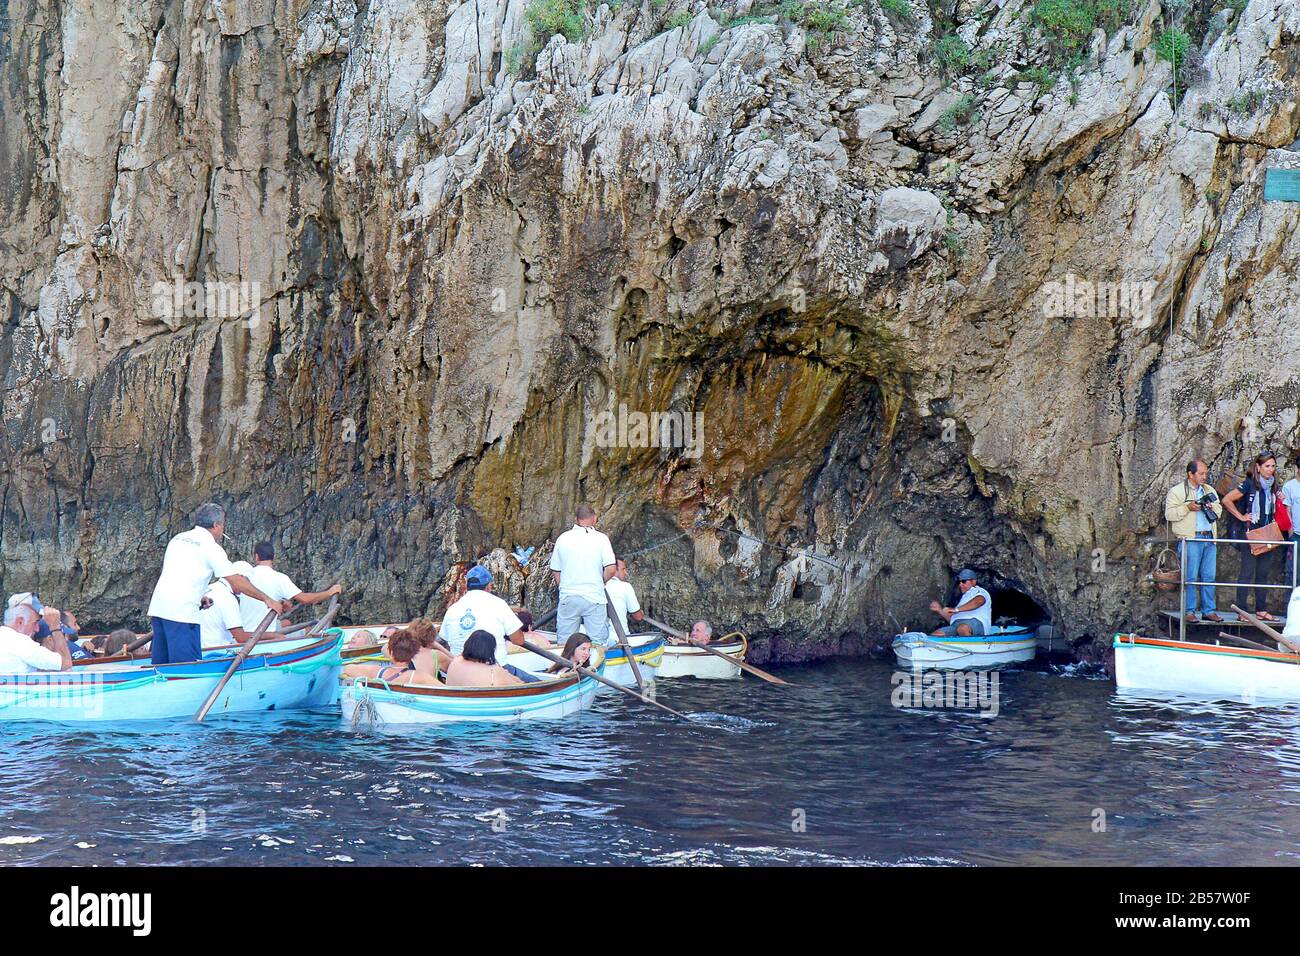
{"x": 1190, "y": 511}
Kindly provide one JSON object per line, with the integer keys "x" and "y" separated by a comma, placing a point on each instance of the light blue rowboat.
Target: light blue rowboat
{"x": 289, "y": 673}
{"x": 369, "y": 701}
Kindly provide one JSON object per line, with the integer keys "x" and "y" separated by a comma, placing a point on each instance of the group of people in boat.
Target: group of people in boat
{"x": 202, "y": 600}
{"x": 1261, "y": 507}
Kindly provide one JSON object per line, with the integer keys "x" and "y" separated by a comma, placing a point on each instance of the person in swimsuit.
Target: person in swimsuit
{"x": 477, "y": 666}
{"x": 433, "y": 656}
{"x": 402, "y": 648}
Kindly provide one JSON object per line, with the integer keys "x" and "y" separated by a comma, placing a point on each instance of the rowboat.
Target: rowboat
{"x": 1002, "y": 645}
{"x": 369, "y": 700}
{"x": 1210, "y": 671}
{"x": 300, "y": 672}
{"x": 686, "y": 660}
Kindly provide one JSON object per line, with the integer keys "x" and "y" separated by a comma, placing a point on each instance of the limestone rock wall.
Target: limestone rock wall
{"x": 454, "y": 261}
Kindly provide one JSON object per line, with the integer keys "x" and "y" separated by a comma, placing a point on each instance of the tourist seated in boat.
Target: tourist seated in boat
{"x": 402, "y": 648}
{"x": 114, "y": 643}
{"x": 51, "y": 620}
{"x": 622, "y": 595}
{"x": 577, "y": 649}
{"x": 19, "y": 651}
{"x": 476, "y": 665}
{"x": 433, "y": 658}
{"x": 388, "y": 632}
{"x": 264, "y": 575}
{"x": 221, "y": 622}
{"x": 973, "y": 615}
{"x": 365, "y": 638}
{"x": 480, "y": 609}
{"x": 701, "y": 633}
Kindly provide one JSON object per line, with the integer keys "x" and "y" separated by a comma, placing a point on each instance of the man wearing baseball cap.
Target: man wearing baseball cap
{"x": 481, "y": 610}
{"x": 50, "y": 619}
{"x": 973, "y": 615}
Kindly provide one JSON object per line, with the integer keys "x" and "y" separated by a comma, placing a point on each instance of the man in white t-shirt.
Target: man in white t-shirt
{"x": 193, "y": 558}
{"x": 481, "y": 610}
{"x": 623, "y": 596}
{"x": 973, "y": 615}
{"x": 20, "y": 654}
{"x": 278, "y": 585}
{"x": 582, "y": 562}
{"x": 221, "y": 622}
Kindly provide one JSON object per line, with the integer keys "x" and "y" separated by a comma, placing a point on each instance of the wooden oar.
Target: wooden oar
{"x": 234, "y": 665}
{"x": 546, "y": 618}
{"x": 623, "y": 642}
{"x": 317, "y": 627}
{"x": 1243, "y": 642}
{"x": 136, "y": 645}
{"x": 757, "y": 672}
{"x": 587, "y": 672}
{"x": 1245, "y": 615}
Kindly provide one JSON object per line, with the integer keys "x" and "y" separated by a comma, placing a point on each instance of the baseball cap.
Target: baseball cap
{"x": 29, "y": 598}
{"x": 478, "y": 577}
{"x": 967, "y": 574}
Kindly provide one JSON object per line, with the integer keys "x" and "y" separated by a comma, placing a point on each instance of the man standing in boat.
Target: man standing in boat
{"x": 582, "y": 564}
{"x": 623, "y": 596}
{"x": 193, "y": 558}
{"x": 973, "y": 615}
{"x": 278, "y": 585}
{"x": 1189, "y": 509}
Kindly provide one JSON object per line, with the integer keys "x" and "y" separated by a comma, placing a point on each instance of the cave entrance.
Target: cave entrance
{"x": 1011, "y": 602}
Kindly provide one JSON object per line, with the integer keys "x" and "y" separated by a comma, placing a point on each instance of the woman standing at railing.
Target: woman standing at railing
{"x": 1253, "y": 504}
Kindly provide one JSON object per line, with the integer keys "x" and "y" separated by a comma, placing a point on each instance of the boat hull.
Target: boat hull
{"x": 649, "y": 650}
{"x": 1004, "y": 645}
{"x": 304, "y": 675}
{"x": 680, "y": 660}
{"x": 371, "y": 701}
{"x": 1208, "y": 671}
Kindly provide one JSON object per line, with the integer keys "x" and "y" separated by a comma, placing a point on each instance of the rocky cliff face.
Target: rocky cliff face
{"x": 442, "y": 244}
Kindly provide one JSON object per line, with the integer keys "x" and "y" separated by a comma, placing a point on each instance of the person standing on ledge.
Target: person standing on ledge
{"x": 193, "y": 558}
{"x": 582, "y": 563}
{"x": 973, "y": 615}
{"x": 278, "y": 585}
{"x": 1189, "y": 509}
{"x": 1253, "y": 504}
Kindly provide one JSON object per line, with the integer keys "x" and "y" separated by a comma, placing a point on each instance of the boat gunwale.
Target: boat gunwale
{"x": 1195, "y": 647}
{"x": 254, "y": 661}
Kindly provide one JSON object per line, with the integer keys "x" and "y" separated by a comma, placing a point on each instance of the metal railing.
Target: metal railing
{"x": 1184, "y": 584}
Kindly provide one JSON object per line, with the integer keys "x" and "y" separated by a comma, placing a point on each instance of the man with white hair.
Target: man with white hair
{"x": 193, "y": 558}
{"x": 51, "y": 619}
{"x": 701, "y": 633}
{"x": 19, "y": 654}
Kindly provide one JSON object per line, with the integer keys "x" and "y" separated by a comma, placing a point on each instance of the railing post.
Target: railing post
{"x": 1182, "y": 589}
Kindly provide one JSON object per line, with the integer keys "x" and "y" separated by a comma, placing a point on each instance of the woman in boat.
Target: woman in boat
{"x": 402, "y": 648}
{"x": 363, "y": 638}
{"x": 477, "y": 664}
{"x": 1254, "y": 503}
{"x": 577, "y": 649}
{"x": 434, "y": 657}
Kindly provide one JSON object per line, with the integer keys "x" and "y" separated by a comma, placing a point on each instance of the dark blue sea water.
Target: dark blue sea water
{"x": 1178, "y": 783}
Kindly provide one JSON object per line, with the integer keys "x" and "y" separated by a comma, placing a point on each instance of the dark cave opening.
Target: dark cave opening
{"x": 1010, "y": 602}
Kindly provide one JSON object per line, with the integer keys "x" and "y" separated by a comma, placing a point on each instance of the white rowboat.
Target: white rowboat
{"x": 685, "y": 660}
{"x": 1206, "y": 671}
{"x": 1003, "y": 645}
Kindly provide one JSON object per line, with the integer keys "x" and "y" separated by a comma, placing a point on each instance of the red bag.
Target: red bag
{"x": 1282, "y": 517}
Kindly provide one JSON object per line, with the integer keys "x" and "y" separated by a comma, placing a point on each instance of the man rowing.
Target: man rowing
{"x": 973, "y": 615}
{"x": 582, "y": 563}
{"x": 193, "y": 558}
{"x": 481, "y": 610}
{"x": 221, "y": 620}
{"x": 623, "y": 596}
{"x": 278, "y": 585}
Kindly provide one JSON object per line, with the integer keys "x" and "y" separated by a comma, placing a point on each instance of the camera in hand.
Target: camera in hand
{"x": 1207, "y": 503}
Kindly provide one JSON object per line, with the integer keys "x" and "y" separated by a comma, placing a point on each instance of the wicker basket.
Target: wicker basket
{"x": 1168, "y": 572}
